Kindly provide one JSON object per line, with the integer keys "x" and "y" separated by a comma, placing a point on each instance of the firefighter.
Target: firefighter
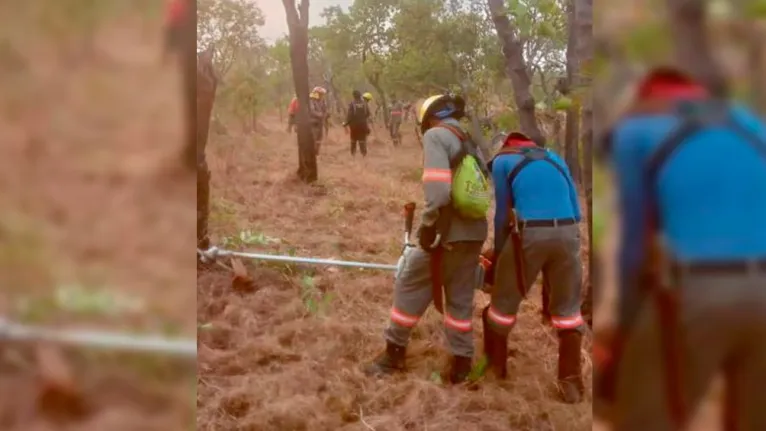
{"x": 357, "y": 123}
{"x": 396, "y": 113}
{"x": 537, "y": 219}
{"x": 451, "y": 263}
{"x": 317, "y": 115}
{"x": 691, "y": 169}
{"x": 292, "y": 111}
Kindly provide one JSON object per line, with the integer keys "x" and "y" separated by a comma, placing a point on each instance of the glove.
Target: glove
{"x": 426, "y": 237}
{"x": 487, "y": 259}
{"x": 607, "y": 349}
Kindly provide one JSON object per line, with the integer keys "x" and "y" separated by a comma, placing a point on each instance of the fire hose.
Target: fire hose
{"x": 213, "y": 253}
{"x": 105, "y": 340}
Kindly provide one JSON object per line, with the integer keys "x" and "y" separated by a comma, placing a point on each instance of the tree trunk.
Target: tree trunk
{"x": 756, "y": 66}
{"x": 182, "y": 37}
{"x": 298, "y": 23}
{"x": 207, "y": 82}
{"x": 572, "y": 128}
{"x": 583, "y": 12}
{"x": 688, "y": 22}
{"x": 382, "y": 103}
{"x": 517, "y": 71}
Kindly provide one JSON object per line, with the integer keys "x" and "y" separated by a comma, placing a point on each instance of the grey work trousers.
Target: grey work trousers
{"x": 554, "y": 251}
{"x": 413, "y": 293}
{"x": 722, "y": 328}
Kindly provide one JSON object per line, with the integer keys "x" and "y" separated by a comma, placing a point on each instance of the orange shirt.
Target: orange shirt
{"x": 293, "y": 108}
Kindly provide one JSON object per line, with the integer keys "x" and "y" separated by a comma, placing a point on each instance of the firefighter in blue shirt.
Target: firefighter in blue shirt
{"x": 536, "y": 230}
{"x": 690, "y": 169}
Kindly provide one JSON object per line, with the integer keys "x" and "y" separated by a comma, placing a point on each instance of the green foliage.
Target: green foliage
{"x": 650, "y": 41}
{"x": 563, "y": 103}
{"x": 230, "y": 27}
{"x": 508, "y": 120}
{"x": 755, "y": 9}
{"x": 393, "y": 48}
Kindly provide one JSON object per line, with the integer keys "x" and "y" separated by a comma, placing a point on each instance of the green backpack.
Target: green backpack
{"x": 471, "y": 195}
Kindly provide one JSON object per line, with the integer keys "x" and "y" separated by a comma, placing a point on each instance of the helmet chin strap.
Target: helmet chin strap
{"x": 446, "y": 112}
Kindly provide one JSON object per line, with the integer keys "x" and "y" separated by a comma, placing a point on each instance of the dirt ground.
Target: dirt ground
{"x": 94, "y": 204}
{"x": 287, "y": 355}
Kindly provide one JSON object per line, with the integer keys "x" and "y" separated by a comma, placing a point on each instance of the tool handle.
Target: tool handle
{"x": 409, "y": 217}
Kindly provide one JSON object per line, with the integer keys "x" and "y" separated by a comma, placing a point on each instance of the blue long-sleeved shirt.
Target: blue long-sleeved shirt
{"x": 540, "y": 192}
{"x": 710, "y": 194}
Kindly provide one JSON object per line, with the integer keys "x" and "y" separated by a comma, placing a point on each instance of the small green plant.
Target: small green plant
{"x": 315, "y": 301}
{"x": 248, "y": 237}
{"x": 435, "y": 377}
{"x": 77, "y": 300}
{"x": 478, "y": 370}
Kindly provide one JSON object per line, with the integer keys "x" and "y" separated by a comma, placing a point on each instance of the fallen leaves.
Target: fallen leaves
{"x": 241, "y": 282}
{"x": 59, "y": 395}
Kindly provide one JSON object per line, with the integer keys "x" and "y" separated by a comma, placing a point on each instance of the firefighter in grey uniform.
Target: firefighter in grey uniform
{"x": 452, "y": 264}
{"x": 536, "y": 230}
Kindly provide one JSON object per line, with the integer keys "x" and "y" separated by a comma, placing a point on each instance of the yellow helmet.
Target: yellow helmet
{"x": 457, "y": 105}
{"x": 367, "y": 96}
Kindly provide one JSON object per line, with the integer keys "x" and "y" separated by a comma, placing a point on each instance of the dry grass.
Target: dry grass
{"x": 90, "y": 124}
{"x": 269, "y": 360}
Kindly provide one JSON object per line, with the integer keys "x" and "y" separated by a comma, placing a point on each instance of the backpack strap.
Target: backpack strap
{"x": 529, "y": 156}
{"x": 690, "y": 124}
{"x": 464, "y": 150}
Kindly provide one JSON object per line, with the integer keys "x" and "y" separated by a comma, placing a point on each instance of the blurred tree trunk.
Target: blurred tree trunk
{"x": 189, "y": 76}
{"x": 517, "y": 70}
{"x": 756, "y": 67}
{"x": 688, "y": 26}
{"x": 572, "y": 128}
{"x": 298, "y": 24}
{"x": 583, "y": 20}
{"x": 207, "y": 82}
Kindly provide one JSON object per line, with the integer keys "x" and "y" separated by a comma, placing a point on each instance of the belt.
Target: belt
{"x": 753, "y": 266}
{"x": 547, "y": 223}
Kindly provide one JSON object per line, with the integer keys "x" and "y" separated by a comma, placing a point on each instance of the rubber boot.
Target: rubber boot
{"x": 545, "y": 313}
{"x": 459, "y": 369}
{"x": 388, "y": 362}
{"x": 495, "y": 347}
{"x": 570, "y": 384}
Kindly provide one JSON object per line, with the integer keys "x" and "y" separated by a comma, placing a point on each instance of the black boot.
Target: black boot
{"x": 459, "y": 369}
{"x": 388, "y": 362}
{"x": 571, "y": 387}
{"x": 545, "y": 313}
{"x": 495, "y": 347}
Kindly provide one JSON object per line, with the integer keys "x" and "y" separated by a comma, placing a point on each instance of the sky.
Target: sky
{"x": 276, "y": 23}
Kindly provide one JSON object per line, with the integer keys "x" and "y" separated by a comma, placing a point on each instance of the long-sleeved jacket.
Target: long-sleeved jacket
{"x": 540, "y": 192}
{"x": 440, "y": 150}
{"x": 710, "y": 195}
{"x": 317, "y": 111}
